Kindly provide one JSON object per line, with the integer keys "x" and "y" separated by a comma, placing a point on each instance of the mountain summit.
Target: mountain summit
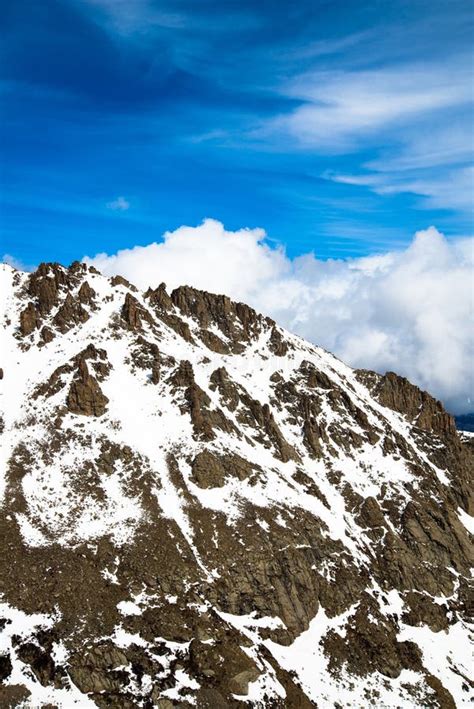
{"x": 201, "y": 509}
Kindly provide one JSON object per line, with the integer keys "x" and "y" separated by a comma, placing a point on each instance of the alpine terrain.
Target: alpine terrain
{"x": 201, "y": 509}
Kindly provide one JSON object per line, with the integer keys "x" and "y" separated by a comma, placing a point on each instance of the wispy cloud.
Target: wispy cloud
{"x": 118, "y": 205}
{"x": 420, "y": 114}
{"x": 452, "y": 188}
{"x": 343, "y": 110}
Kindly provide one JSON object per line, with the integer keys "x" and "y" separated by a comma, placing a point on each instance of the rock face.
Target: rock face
{"x": 85, "y": 395}
{"x": 200, "y": 509}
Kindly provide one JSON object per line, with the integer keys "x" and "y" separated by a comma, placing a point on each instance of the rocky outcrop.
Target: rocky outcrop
{"x": 238, "y": 322}
{"x": 197, "y": 403}
{"x": 70, "y": 313}
{"x": 29, "y": 319}
{"x": 57, "y": 381}
{"x": 85, "y": 396}
{"x": 163, "y": 306}
{"x": 211, "y": 470}
{"x": 52, "y": 288}
{"x": 418, "y": 406}
{"x": 121, "y": 281}
{"x": 146, "y": 355}
{"x": 134, "y": 314}
{"x": 86, "y": 294}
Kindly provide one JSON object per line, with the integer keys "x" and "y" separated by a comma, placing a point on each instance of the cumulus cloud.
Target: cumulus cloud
{"x": 118, "y": 205}
{"x": 410, "y": 311}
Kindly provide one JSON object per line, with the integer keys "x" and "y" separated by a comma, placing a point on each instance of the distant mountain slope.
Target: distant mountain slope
{"x": 201, "y": 509}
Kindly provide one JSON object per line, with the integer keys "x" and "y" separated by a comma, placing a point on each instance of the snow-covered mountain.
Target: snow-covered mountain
{"x": 201, "y": 509}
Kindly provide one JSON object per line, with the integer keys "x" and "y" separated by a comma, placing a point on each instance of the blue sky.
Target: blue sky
{"x": 339, "y": 127}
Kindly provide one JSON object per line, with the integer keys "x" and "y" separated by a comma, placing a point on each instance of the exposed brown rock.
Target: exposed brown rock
{"x": 229, "y": 392}
{"x": 85, "y": 396}
{"x": 263, "y": 419}
{"x": 370, "y": 646}
{"x": 134, "y": 314}
{"x": 45, "y": 286}
{"x": 277, "y": 344}
{"x": 424, "y": 611}
{"x": 70, "y": 313}
{"x": 13, "y": 696}
{"x": 121, "y": 281}
{"x": 278, "y": 560}
{"x": 197, "y": 404}
{"x": 237, "y": 321}
{"x": 208, "y": 470}
{"x": 86, "y": 294}
{"x": 239, "y": 684}
{"x": 211, "y": 470}
{"x": 5, "y": 667}
{"x": 399, "y": 394}
{"x": 29, "y": 319}
{"x": 47, "y": 335}
{"x": 41, "y": 662}
{"x": 159, "y": 298}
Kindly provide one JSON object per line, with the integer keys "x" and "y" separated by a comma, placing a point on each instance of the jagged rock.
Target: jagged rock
{"x": 5, "y": 667}
{"x": 277, "y": 344}
{"x": 86, "y": 294}
{"x": 41, "y": 662}
{"x": 208, "y": 470}
{"x": 229, "y": 392}
{"x": 70, "y": 313}
{"x": 264, "y": 420}
{"x": 13, "y": 696}
{"x": 399, "y": 394}
{"x": 120, "y": 281}
{"x": 239, "y": 684}
{"x": 371, "y": 646}
{"x": 85, "y": 396}
{"x": 211, "y": 470}
{"x": 28, "y": 319}
{"x": 370, "y": 513}
{"x": 134, "y": 314}
{"x": 237, "y": 321}
{"x": 47, "y": 335}
{"x": 209, "y": 698}
{"x": 197, "y": 404}
{"x": 424, "y": 611}
{"x": 159, "y": 298}
{"x": 164, "y": 307}
{"x": 45, "y": 287}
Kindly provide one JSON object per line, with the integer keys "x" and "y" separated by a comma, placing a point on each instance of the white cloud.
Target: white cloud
{"x": 410, "y": 311}
{"x": 118, "y": 205}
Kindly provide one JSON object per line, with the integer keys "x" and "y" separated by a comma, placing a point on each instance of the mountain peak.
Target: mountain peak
{"x": 202, "y": 509}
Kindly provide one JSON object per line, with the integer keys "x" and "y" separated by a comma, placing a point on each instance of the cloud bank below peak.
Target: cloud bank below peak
{"x": 409, "y": 311}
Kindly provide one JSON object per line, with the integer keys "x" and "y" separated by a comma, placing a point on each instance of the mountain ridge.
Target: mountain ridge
{"x": 227, "y": 495}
